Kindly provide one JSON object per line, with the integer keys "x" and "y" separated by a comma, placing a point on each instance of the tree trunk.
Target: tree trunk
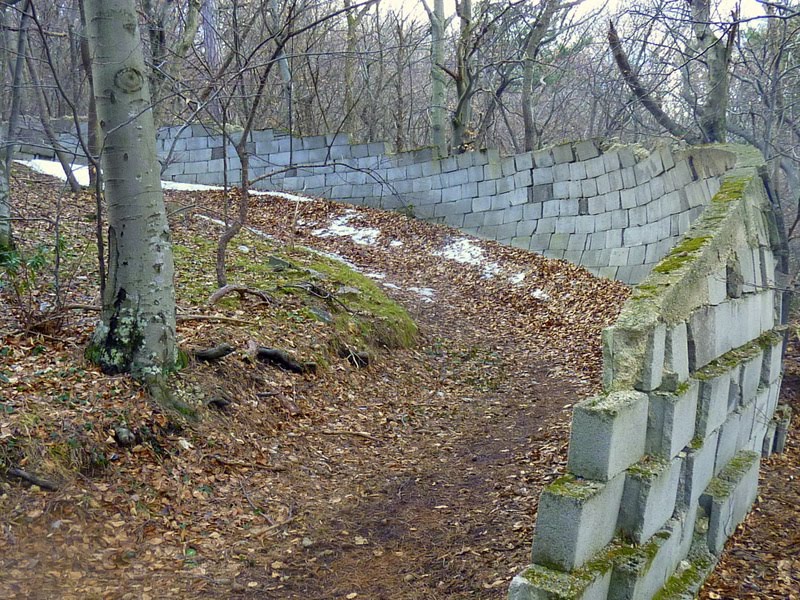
{"x": 16, "y": 92}
{"x": 44, "y": 119}
{"x": 5, "y": 197}
{"x": 91, "y": 122}
{"x": 137, "y": 329}
{"x": 532, "y": 46}
{"x": 462, "y": 115}
{"x": 438, "y": 80}
{"x": 283, "y": 61}
{"x": 717, "y": 56}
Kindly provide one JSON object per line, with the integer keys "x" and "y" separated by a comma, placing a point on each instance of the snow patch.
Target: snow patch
{"x": 517, "y": 278}
{"x": 467, "y": 252}
{"x": 364, "y": 236}
{"x": 540, "y": 295}
{"x": 292, "y": 197}
{"x": 427, "y": 294}
{"x": 54, "y": 169}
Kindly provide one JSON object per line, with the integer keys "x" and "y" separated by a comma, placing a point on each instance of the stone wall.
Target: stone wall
{"x": 616, "y": 212}
{"x": 664, "y": 465}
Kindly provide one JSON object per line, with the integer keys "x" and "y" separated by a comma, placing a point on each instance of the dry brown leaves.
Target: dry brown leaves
{"x": 416, "y": 477}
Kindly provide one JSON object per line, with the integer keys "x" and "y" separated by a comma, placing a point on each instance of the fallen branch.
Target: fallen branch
{"x": 284, "y": 360}
{"x": 236, "y": 463}
{"x": 316, "y": 291}
{"x": 242, "y": 290}
{"x": 214, "y": 353}
{"x": 362, "y": 434}
{"x": 221, "y": 319}
{"x": 32, "y": 479}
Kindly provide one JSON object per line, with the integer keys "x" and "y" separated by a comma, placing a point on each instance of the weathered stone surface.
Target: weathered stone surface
{"x": 671, "y": 420}
{"x": 536, "y": 582}
{"x": 729, "y": 497}
{"x": 608, "y": 434}
{"x": 651, "y": 487}
{"x": 576, "y": 518}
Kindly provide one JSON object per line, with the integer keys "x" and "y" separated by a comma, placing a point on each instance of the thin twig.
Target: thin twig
{"x": 362, "y": 434}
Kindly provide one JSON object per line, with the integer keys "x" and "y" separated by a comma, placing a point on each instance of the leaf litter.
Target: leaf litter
{"x": 416, "y": 476}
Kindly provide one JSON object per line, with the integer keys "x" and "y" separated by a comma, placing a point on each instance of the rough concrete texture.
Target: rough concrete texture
{"x": 608, "y": 434}
{"x": 536, "y": 582}
{"x": 729, "y": 497}
{"x": 642, "y": 573}
{"x": 648, "y": 501}
{"x": 671, "y": 420}
{"x": 698, "y": 470}
{"x": 576, "y": 518}
{"x": 713, "y": 380}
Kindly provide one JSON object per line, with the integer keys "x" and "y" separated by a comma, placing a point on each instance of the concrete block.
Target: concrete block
{"x": 648, "y": 500}
{"x": 546, "y": 225}
{"x": 577, "y": 171}
{"x": 727, "y": 441}
{"x": 487, "y": 188}
{"x": 524, "y": 161}
{"x": 772, "y": 363}
{"x": 717, "y": 285}
{"x": 561, "y": 189}
{"x": 595, "y": 167}
{"x": 768, "y": 442}
{"x": 586, "y": 150}
{"x": 751, "y": 376}
{"x": 640, "y": 572}
{"x": 747, "y": 426}
{"x": 562, "y": 153}
{"x": 513, "y": 215}
{"x": 712, "y": 406}
{"x": 653, "y": 364}
{"x": 532, "y": 211}
{"x": 536, "y": 582}
{"x": 709, "y": 327}
{"x": 522, "y": 179}
{"x": 698, "y": 470}
{"x": 481, "y": 204}
{"x": 676, "y": 354}
{"x": 671, "y": 421}
{"x": 588, "y": 187}
{"x": 542, "y": 175}
{"x": 729, "y": 496}
{"x": 544, "y": 158}
{"x": 608, "y": 434}
{"x": 576, "y": 519}
{"x": 619, "y": 258}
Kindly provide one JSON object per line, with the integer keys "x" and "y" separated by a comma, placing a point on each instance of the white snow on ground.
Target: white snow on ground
{"x": 54, "y": 169}
{"x": 292, "y": 197}
{"x": 426, "y": 293}
{"x": 364, "y": 236}
{"x": 517, "y": 278}
{"x": 467, "y": 252}
{"x": 541, "y": 295}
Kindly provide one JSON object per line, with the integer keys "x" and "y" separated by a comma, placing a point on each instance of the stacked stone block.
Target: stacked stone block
{"x": 616, "y": 211}
{"x": 664, "y": 465}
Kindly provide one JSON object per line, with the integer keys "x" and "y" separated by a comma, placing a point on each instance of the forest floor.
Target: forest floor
{"x": 415, "y": 476}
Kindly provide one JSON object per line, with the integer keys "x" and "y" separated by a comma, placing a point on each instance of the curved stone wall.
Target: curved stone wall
{"x": 615, "y": 212}
{"x": 664, "y": 465}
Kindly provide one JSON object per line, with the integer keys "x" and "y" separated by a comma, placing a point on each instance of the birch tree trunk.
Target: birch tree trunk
{"x": 137, "y": 329}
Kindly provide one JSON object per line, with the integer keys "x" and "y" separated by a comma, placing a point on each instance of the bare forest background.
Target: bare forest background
{"x": 512, "y": 75}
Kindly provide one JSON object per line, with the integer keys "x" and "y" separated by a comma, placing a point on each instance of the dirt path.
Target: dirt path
{"x": 415, "y": 478}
